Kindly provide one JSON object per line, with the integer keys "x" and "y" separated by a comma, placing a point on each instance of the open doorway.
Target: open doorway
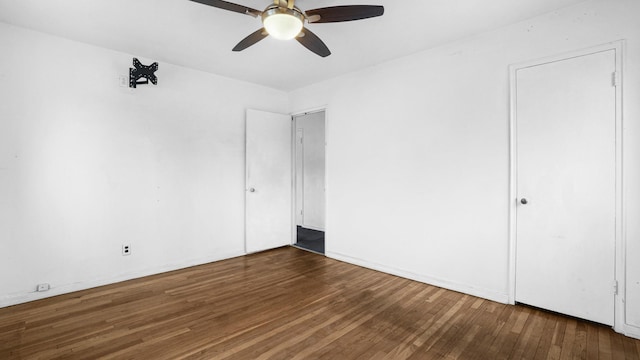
{"x": 310, "y": 180}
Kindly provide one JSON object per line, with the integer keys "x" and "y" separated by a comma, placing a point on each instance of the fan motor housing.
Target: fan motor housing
{"x": 275, "y": 9}
{"x": 282, "y": 23}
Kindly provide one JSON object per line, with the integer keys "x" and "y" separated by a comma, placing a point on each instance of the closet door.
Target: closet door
{"x": 566, "y": 186}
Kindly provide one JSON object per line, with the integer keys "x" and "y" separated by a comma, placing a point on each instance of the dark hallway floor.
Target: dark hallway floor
{"x": 312, "y": 240}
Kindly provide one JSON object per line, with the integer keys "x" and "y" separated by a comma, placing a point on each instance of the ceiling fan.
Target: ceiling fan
{"x": 284, "y": 21}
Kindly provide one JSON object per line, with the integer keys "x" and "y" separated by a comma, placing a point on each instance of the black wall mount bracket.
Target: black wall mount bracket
{"x": 142, "y": 71}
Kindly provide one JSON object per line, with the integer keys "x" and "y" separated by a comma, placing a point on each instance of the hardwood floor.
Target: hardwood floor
{"x": 292, "y": 304}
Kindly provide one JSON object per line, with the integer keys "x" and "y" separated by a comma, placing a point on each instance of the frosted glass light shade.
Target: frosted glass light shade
{"x": 282, "y": 26}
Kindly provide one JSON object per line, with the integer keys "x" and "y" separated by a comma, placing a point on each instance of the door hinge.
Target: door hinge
{"x": 615, "y": 287}
{"x": 614, "y": 78}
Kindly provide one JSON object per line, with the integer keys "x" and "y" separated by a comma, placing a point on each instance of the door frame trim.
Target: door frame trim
{"x": 620, "y": 240}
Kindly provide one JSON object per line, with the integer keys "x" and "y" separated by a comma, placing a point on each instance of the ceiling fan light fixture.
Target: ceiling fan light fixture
{"x": 282, "y": 23}
{"x": 283, "y": 20}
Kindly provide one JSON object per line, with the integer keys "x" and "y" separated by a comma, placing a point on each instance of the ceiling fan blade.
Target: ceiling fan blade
{"x": 251, "y": 39}
{"x": 231, "y": 7}
{"x": 343, "y": 13}
{"x": 312, "y": 42}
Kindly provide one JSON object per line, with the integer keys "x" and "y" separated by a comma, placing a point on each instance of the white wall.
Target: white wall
{"x": 417, "y": 161}
{"x": 418, "y": 152}
{"x": 313, "y": 169}
{"x": 86, "y": 166}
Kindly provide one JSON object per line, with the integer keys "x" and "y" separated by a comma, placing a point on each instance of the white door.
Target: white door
{"x": 310, "y": 167}
{"x": 299, "y": 165}
{"x": 566, "y": 175}
{"x": 268, "y": 181}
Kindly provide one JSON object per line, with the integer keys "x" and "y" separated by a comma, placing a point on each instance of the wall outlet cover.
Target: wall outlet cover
{"x": 123, "y": 81}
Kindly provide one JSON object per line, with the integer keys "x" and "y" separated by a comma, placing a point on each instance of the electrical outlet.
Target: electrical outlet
{"x": 123, "y": 84}
{"x": 43, "y": 287}
{"x": 126, "y": 249}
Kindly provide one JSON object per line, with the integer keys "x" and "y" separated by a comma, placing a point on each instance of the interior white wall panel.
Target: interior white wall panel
{"x": 87, "y": 165}
{"x": 418, "y": 152}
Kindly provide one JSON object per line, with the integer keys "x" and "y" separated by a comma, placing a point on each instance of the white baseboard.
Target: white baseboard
{"x": 451, "y": 285}
{"x": 631, "y": 331}
{"x": 55, "y": 290}
{"x": 312, "y": 227}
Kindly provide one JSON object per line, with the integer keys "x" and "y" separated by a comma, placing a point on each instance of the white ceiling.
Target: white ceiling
{"x": 201, "y": 37}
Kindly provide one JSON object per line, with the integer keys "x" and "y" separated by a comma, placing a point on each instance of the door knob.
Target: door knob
{"x": 524, "y": 201}
{"x": 252, "y": 190}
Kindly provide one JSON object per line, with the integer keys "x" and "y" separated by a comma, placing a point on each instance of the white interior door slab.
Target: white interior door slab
{"x": 268, "y": 200}
{"x": 310, "y": 167}
{"x": 566, "y": 174}
{"x": 299, "y": 165}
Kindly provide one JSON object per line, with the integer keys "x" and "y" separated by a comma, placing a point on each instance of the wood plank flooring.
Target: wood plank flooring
{"x": 292, "y": 304}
